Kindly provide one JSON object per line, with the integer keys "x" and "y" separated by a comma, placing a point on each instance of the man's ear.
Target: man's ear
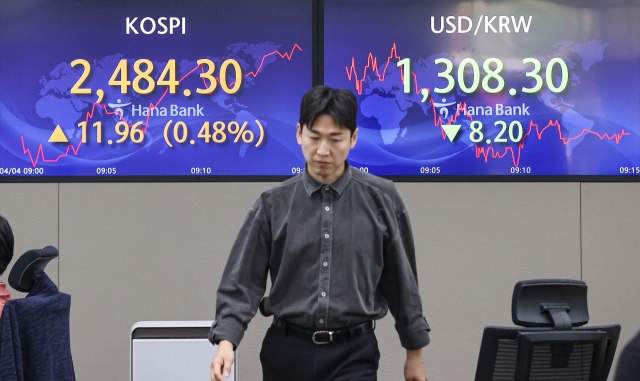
{"x": 299, "y": 133}
{"x": 354, "y": 137}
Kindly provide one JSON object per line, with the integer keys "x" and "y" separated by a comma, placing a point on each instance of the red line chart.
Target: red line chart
{"x": 71, "y": 149}
{"x": 372, "y": 68}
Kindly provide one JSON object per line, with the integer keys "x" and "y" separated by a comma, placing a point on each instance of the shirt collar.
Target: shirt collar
{"x": 311, "y": 185}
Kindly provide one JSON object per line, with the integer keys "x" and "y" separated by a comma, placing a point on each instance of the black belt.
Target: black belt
{"x": 326, "y": 336}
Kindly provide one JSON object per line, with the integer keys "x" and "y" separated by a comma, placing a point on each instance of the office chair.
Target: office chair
{"x": 23, "y": 273}
{"x": 34, "y": 331}
{"x": 550, "y": 342}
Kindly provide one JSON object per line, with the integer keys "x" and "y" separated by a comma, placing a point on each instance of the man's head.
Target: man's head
{"x": 6, "y": 244}
{"x": 327, "y": 131}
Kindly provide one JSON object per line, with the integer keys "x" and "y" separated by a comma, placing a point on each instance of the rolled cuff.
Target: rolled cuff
{"x": 414, "y": 336}
{"x": 226, "y": 330}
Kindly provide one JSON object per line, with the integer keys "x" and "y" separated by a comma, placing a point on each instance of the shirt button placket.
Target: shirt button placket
{"x": 325, "y": 256}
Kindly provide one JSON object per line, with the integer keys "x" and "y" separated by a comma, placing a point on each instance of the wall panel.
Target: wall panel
{"x": 144, "y": 252}
{"x": 611, "y": 256}
{"x": 474, "y": 242}
{"x": 155, "y": 251}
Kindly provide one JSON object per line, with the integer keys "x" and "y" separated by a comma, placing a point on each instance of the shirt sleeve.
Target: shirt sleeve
{"x": 244, "y": 279}
{"x": 399, "y": 285}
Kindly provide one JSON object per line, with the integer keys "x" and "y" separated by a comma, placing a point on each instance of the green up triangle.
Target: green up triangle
{"x": 451, "y": 130}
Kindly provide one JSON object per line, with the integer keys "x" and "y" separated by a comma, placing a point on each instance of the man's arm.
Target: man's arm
{"x": 242, "y": 286}
{"x": 222, "y": 361}
{"x": 399, "y": 285}
{"x": 414, "y": 368}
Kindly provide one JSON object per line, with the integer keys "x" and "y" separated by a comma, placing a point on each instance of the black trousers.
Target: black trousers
{"x": 286, "y": 357}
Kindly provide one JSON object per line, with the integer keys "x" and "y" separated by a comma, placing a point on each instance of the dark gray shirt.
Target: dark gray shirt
{"x": 337, "y": 255}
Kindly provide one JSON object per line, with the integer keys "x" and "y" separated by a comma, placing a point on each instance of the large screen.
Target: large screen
{"x": 210, "y": 90}
{"x": 152, "y": 88}
{"x": 490, "y": 89}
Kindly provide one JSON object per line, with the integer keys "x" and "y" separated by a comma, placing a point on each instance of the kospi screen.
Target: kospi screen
{"x": 152, "y": 88}
{"x": 490, "y": 89}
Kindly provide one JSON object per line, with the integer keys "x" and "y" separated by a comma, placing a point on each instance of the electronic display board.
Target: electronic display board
{"x": 137, "y": 89}
{"x": 490, "y": 89}
{"x": 203, "y": 90}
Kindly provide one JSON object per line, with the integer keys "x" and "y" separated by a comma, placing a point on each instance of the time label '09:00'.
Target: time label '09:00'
{"x": 27, "y": 171}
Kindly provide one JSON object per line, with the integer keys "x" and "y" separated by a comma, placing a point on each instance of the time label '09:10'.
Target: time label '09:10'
{"x": 168, "y": 77}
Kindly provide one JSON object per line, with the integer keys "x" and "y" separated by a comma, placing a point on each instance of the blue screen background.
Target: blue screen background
{"x": 591, "y": 128}
{"x": 40, "y": 39}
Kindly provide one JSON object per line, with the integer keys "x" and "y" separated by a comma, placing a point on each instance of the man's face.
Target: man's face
{"x": 325, "y": 147}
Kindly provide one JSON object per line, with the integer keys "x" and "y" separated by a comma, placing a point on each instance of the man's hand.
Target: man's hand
{"x": 414, "y": 369}
{"x": 221, "y": 363}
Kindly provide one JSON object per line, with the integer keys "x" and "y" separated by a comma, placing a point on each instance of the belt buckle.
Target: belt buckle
{"x": 329, "y": 337}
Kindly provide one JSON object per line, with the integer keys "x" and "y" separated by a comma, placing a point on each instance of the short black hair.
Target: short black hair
{"x": 6, "y": 244}
{"x": 340, "y": 104}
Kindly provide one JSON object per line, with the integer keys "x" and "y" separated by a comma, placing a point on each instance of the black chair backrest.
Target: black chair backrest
{"x": 22, "y": 275}
{"x": 550, "y": 348}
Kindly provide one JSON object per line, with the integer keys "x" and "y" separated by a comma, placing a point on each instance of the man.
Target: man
{"x": 6, "y": 253}
{"x": 338, "y": 247}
